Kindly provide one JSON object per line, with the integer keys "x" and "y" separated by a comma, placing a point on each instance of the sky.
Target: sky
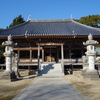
{"x": 46, "y": 9}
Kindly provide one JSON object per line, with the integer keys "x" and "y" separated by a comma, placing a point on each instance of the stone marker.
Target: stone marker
{"x": 8, "y": 74}
{"x": 89, "y": 70}
{"x": 15, "y": 61}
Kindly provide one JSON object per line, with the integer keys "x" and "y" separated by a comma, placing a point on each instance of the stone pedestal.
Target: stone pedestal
{"x": 92, "y": 74}
{"x": 89, "y": 70}
{"x": 8, "y": 76}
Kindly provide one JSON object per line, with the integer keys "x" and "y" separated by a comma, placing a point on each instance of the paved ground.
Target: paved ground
{"x": 49, "y": 89}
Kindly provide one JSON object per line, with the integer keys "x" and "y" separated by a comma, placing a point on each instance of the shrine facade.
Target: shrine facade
{"x": 59, "y": 41}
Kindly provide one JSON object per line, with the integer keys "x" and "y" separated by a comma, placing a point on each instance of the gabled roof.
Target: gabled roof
{"x": 50, "y": 27}
{"x": 1, "y": 29}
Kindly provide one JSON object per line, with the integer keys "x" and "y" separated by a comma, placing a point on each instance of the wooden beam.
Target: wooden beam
{"x": 27, "y": 48}
{"x": 51, "y": 43}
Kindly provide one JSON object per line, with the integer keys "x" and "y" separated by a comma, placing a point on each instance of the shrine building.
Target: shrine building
{"x": 50, "y": 41}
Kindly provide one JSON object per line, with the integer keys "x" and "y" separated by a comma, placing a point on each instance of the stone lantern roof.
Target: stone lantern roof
{"x": 90, "y": 41}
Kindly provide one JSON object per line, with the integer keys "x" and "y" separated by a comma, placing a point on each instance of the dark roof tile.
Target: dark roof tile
{"x": 50, "y": 27}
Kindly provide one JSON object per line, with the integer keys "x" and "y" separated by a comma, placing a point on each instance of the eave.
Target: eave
{"x": 49, "y": 36}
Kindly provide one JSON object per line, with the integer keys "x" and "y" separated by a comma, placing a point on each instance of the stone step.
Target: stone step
{"x": 50, "y": 70}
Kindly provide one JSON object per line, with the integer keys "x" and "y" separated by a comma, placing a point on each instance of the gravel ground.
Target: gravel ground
{"x": 89, "y": 88}
{"x": 9, "y": 89}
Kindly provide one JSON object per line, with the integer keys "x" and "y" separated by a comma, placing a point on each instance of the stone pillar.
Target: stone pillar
{"x": 62, "y": 58}
{"x": 90, "y": 71}
{"x": 8, "y": 74}
{"x": 91, "y": 62}
{"x": 8, "y": 63}
{"x": 85, "y": 63}
{"x": 15, "y": 61}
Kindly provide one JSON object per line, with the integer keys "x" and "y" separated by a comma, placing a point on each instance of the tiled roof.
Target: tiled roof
{"x": 50, "y": 27}
{"x": 1, "y": 29}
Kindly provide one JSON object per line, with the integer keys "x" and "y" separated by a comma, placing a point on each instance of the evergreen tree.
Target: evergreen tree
{"x": 16, "y": 21}
{"x": 91, "y": 20}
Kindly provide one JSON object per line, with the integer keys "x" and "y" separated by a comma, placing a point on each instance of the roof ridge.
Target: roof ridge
{"x": 85, "y": 25}
{"x": 49, "y": 20}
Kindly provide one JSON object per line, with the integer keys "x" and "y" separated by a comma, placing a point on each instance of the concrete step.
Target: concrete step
{"x": 51, "y": 70}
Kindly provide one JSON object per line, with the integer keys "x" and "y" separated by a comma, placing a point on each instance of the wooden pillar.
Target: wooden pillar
{"x": 39, "y": 58}
{"x": 30, "y": 55}
{"x": 19, "y": 54}
{"x": 42, "y": 55}
{"x": 70, "y": 52}
{"x": 29, "y": 68}
{"x": 57, "y": 55}
{"x": 70, "y": 55}
{"x": 62, "y": 58}
{"x": 82, "y": 50}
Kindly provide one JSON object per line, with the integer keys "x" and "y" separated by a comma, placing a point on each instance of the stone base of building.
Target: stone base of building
{"x": 93, "y": 75}
{"x": 32, "y": 72}
{"x": 8, "y": 76}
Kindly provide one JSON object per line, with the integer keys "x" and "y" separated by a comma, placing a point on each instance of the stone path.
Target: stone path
{"x": 49, "y": 89}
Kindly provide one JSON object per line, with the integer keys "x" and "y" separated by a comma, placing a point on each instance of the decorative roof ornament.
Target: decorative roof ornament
{"x": 73, "y": 32}
{"x": 26, "y": 32}
{"x": 29, "y": 18}
{"x": 10, "y": 38}
{"x": 71, "y": 16}
{"x": 90, "y": 41}
{"x": 90, "y": 37}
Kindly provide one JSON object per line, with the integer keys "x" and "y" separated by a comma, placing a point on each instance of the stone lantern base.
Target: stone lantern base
{"x": 8, "y": 76}
{"x": 91, "y": 74}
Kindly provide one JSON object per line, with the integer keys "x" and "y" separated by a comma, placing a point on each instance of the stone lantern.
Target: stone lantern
{"x": 8, "y": 74}
{"x": 90, "y": 71}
